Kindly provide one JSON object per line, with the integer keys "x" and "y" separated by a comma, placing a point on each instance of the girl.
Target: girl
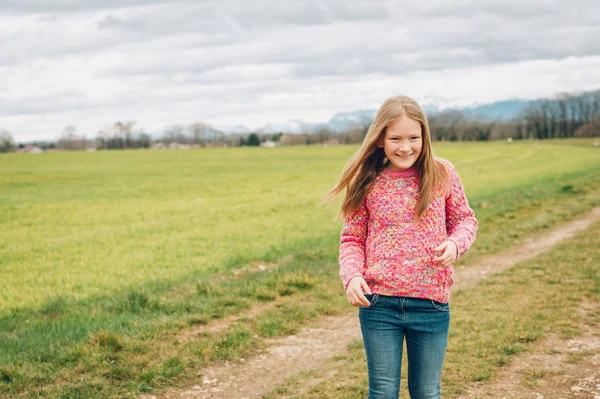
{"x": 407, "y": 220}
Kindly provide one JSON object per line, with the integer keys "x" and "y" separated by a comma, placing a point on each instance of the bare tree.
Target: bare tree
{"x": 124, "y": 131}
{"x": 353, "y": 136}
{"x": 562, "y": 116}
{"x": 324, "y": 134}
{"x": 70, "y": 140}
{"x": 174, "y": 134}
{"x": 7, "y": 144}
{"x": 198, "y": 132}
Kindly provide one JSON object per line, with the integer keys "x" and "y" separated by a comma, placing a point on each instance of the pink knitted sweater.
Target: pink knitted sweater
{"x": 381, "y": 241}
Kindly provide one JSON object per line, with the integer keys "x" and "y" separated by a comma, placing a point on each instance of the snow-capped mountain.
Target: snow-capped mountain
{"x": 292, "y": 126}
{"x": 353, "y": 119}
{"x": 501, "y": 110}
{"x": 236, "y": 129}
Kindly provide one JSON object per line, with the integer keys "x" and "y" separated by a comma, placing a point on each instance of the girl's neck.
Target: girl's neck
{"x": 412, "y": 171}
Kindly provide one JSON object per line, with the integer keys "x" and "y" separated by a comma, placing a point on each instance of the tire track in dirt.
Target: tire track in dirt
{"x": 324, "y": 337}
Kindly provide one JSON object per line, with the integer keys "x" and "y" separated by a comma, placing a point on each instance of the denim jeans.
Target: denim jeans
{"x": 385, "y": 324}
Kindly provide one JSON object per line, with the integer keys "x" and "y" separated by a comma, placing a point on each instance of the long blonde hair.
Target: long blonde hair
{"x": 361, "y": 170}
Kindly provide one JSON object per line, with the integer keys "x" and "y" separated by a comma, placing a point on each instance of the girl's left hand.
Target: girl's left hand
{"x": 449, "y": 254}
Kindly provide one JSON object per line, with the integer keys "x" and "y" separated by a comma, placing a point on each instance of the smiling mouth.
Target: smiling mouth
{"x": 405, "y": 156}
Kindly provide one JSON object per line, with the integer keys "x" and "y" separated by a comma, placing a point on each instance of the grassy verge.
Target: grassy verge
{"x": 492, "y": 322}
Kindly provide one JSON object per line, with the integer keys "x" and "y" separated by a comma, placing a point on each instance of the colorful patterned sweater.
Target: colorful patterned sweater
{"x": 381, "y": 241}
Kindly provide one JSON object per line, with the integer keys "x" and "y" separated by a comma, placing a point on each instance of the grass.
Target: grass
{"x": 106, "y": 257}
{"x": 67, "y": 219}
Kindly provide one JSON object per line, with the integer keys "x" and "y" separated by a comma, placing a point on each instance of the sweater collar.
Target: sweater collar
{"x": 412, "y": 171}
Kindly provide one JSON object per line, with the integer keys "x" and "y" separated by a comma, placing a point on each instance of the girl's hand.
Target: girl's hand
{"x": 449, "y": 254}
{"x": 354, "y": 292}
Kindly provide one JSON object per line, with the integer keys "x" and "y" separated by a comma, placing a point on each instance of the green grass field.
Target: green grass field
{"x": 104, "y": 254}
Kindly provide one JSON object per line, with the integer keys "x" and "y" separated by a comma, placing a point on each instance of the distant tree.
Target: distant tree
{"x": 70, "y": 140}
{"x": 590, "y": 129}
{"x": 323, "y": 134}
{"x": 242, "y": 141}
{"x": 124, "y": 131}
{"x": 291, "y": 139}
{"x": 103, "y": 138}
{"x": 142, "y": 140}
{"x": 253, "y": 140}
{"x": 175, "y": 134}
{"x": 7, "y": 144}
{"x": 562, "y": 116}
{"x": 310, "y": 139}
{"x": 198, "y": 132}
{"x": 354, "y": 135}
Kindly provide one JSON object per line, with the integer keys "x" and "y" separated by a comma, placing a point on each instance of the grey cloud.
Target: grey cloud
{"x": 319, "y": 13}
{"x": 486, "y": 30}
{"x": 221, "y": 17}
{"x": 511, "y": 9}
{"x": 195, "y": 19}
{"x": 312, "y": 39}
{"x": 60, "y": 6}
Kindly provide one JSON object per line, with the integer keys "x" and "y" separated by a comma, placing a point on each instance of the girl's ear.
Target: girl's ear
{"x": 380, "y": 141}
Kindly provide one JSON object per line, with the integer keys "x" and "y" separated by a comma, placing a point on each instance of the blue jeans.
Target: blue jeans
{"x": 385, "y": 324}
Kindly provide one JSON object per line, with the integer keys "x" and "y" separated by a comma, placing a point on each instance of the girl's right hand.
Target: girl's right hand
{"x": 354, "y": 292}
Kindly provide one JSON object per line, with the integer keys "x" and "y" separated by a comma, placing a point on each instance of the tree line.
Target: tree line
{"x": 565, "y": 115}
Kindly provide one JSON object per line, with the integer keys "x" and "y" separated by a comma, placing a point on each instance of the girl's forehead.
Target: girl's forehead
{"x": 403, "y": 130}
{"x": 404, "y": 126}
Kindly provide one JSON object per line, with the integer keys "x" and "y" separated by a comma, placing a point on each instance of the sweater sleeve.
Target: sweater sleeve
{"x": 461, "y": 224}
{"x": 352, "y": 244}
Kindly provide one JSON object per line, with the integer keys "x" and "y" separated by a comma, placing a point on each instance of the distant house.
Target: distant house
{"x": 178, "y": 146}
{"x": 269, "y": 144}
{"x": 33, "y": 149}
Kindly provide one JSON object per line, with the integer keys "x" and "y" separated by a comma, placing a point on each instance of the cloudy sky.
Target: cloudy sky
{"x": 90, "y": 63}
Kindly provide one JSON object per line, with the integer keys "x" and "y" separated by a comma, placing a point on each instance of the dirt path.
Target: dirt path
{"x": 555, "y": 368}
{"x": 325, "y": 337}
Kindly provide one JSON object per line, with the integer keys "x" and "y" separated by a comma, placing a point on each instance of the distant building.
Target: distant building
{"x": 178, "y": 146}
{"x": 33, "y": 149}
{"x": 269, "y": 144}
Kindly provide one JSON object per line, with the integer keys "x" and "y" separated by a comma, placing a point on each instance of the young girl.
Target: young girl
{"x": 407, "y": 220}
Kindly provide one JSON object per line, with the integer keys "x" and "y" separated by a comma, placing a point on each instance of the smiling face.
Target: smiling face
{"x": 402, "y": 143}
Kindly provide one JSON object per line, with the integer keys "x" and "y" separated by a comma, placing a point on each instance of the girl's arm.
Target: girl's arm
{"x": 352, "y": 244}
{"x": 461, "y": 224}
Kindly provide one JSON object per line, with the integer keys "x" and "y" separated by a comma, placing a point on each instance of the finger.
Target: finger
{"x": 364, "y": 301}
{"x": 441, "y": 246}
{"x": 366, "y": 288}
{"x": 358, "y": 301}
